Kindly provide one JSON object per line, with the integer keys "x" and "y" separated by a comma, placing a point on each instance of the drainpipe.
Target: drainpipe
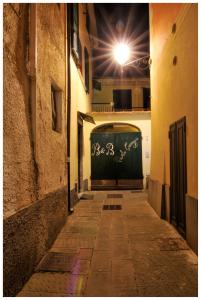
{"x": 68, "y": 41}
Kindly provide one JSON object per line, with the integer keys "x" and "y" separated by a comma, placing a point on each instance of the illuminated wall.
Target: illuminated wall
{"x": 174, "y": 94}
{"x": 80, "y": 98}
{"x": 105, "y": 95}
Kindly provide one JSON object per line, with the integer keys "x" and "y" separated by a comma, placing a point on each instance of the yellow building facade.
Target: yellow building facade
{"x": 81, "y": 95}
{"x": 174, "y": 99}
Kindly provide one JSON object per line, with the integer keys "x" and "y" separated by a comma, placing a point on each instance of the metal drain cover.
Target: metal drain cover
{"x": 115, "y": 196}
{"x": 57, "y": 262}
{"x": 172, "y": 244}
{"x": 87, "y": 197}
{"x": 112, "y": 207}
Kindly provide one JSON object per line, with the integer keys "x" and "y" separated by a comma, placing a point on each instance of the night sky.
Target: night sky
{"x": 117, "y": 22}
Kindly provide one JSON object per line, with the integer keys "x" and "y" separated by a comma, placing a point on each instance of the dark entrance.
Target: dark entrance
{"x": 146, "y": 98}
{"x": 116, "y": 157}
{"x": 80, "y": 156}
{"x": 122, "y": 99}
{"x": 178, "y": 177}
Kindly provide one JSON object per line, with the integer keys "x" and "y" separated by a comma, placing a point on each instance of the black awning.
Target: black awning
{"x": 85, "y": 117}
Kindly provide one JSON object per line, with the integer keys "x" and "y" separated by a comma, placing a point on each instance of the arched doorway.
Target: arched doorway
{"x": 116, "y": 157}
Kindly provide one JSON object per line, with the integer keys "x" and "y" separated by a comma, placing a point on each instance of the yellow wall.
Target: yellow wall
{"x": 140, "y": 119}
{"x": 80, "y": 100}
{"x": 108, "y": 85}
{"x": 174, "y": 90}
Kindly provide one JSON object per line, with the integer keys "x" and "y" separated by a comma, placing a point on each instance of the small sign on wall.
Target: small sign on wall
{"x": 146, "y": 154}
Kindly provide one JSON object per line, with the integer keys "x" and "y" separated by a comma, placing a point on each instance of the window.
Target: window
{"x": 87, "y": 22}
{"x": 75, "y": 28}
{"x": 80, "y": 54}
{"x": 146, "y": 98}
{"x": 122, "y": 99}
{"x": 56, "y": 103}
{"x": 86, "y": 69}
{"x": 96, "y": 85}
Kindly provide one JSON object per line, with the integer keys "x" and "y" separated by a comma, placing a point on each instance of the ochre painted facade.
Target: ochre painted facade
{"x": 174, "y": 94}
{"x": 80, "y": 98}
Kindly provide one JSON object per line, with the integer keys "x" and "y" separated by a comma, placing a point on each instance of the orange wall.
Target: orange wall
{"x": 162, "y": 18}
{"x": 174, "y": 88}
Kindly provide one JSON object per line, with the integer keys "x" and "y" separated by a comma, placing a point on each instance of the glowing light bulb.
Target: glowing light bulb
{"x": 121, "y": 53}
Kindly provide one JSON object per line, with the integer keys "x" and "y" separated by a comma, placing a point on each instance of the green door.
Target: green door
{"x": 116, "y": 156}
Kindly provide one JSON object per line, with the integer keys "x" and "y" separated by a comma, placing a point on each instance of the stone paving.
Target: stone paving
{"x": 127, "y": 252}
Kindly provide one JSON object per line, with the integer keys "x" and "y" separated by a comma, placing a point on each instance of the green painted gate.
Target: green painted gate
{"x": 116, "y": 159}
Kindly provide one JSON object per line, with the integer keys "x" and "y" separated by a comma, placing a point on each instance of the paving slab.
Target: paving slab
{"x": 121, "y": 253}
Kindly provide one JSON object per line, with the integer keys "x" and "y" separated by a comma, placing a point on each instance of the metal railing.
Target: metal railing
{"x": 109, "y": 107}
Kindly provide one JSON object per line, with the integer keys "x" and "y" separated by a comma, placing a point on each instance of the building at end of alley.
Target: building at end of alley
{"x": 76, "y": 120}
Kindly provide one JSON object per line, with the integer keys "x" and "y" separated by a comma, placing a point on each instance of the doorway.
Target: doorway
{"x": 178, "y": 175}
{"x": 80, "y": 156}
{"x": 116, "y": 157}
{"x": 122, "y": 99}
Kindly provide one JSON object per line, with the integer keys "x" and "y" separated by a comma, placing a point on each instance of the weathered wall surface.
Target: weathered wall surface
{"x": 19, "y": 171}
{"x": 80, "y": 99}
{"x": 140, "y": 119}
{"x": 108, "y": 85}
{"x": 51, "y": 63}
{"x": 35, "y": 177}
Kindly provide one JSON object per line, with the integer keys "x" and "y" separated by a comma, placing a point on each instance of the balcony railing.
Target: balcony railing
{"x": 109, "y": 107}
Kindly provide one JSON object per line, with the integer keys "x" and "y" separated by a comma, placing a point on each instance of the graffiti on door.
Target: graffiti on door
{"x": 98, "y": 150}
{"x": 108, "y": 149}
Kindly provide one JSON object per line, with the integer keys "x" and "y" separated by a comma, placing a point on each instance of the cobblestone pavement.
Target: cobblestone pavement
{"x": 124, "y": 252}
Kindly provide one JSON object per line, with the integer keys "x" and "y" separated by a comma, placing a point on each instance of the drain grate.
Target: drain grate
{"x": 57, "y": 262}
{"x": 87, "y": 197}
{"x": 172, "y": 244}
{"x": 112, "y": 207}
{"x": 114, "y": 195}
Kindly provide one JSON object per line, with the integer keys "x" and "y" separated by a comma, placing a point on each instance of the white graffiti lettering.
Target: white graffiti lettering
{"x": 110, "y": 149}
{"x": 133, "y": 144}
{"x": 98, "y": 150}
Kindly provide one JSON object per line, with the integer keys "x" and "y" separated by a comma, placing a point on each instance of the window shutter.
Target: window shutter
{"x": 86, "y": 63}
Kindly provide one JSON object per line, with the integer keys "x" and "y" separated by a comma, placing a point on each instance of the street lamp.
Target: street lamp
{"x": 121, "y": 54}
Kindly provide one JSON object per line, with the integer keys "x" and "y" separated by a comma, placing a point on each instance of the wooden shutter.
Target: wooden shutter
{"x": 86, "y": 71}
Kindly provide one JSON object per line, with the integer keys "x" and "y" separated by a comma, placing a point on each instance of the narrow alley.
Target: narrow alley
{"x": 126, "y": 250}
{"x": 100, "y": 149}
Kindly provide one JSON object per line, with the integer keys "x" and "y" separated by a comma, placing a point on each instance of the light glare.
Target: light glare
{"x": 121, "y": 53}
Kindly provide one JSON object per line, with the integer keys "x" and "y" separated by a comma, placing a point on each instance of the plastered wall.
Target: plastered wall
{"x": 108, "y": 85}
{"x": 19, "y": 171}
{"x": 34, "y": 154}
{"x": 80, "y": 99}
{"x": 51, "y": 63}
{"x": 140, "y": 119}
{"x": 174, "y": 88}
